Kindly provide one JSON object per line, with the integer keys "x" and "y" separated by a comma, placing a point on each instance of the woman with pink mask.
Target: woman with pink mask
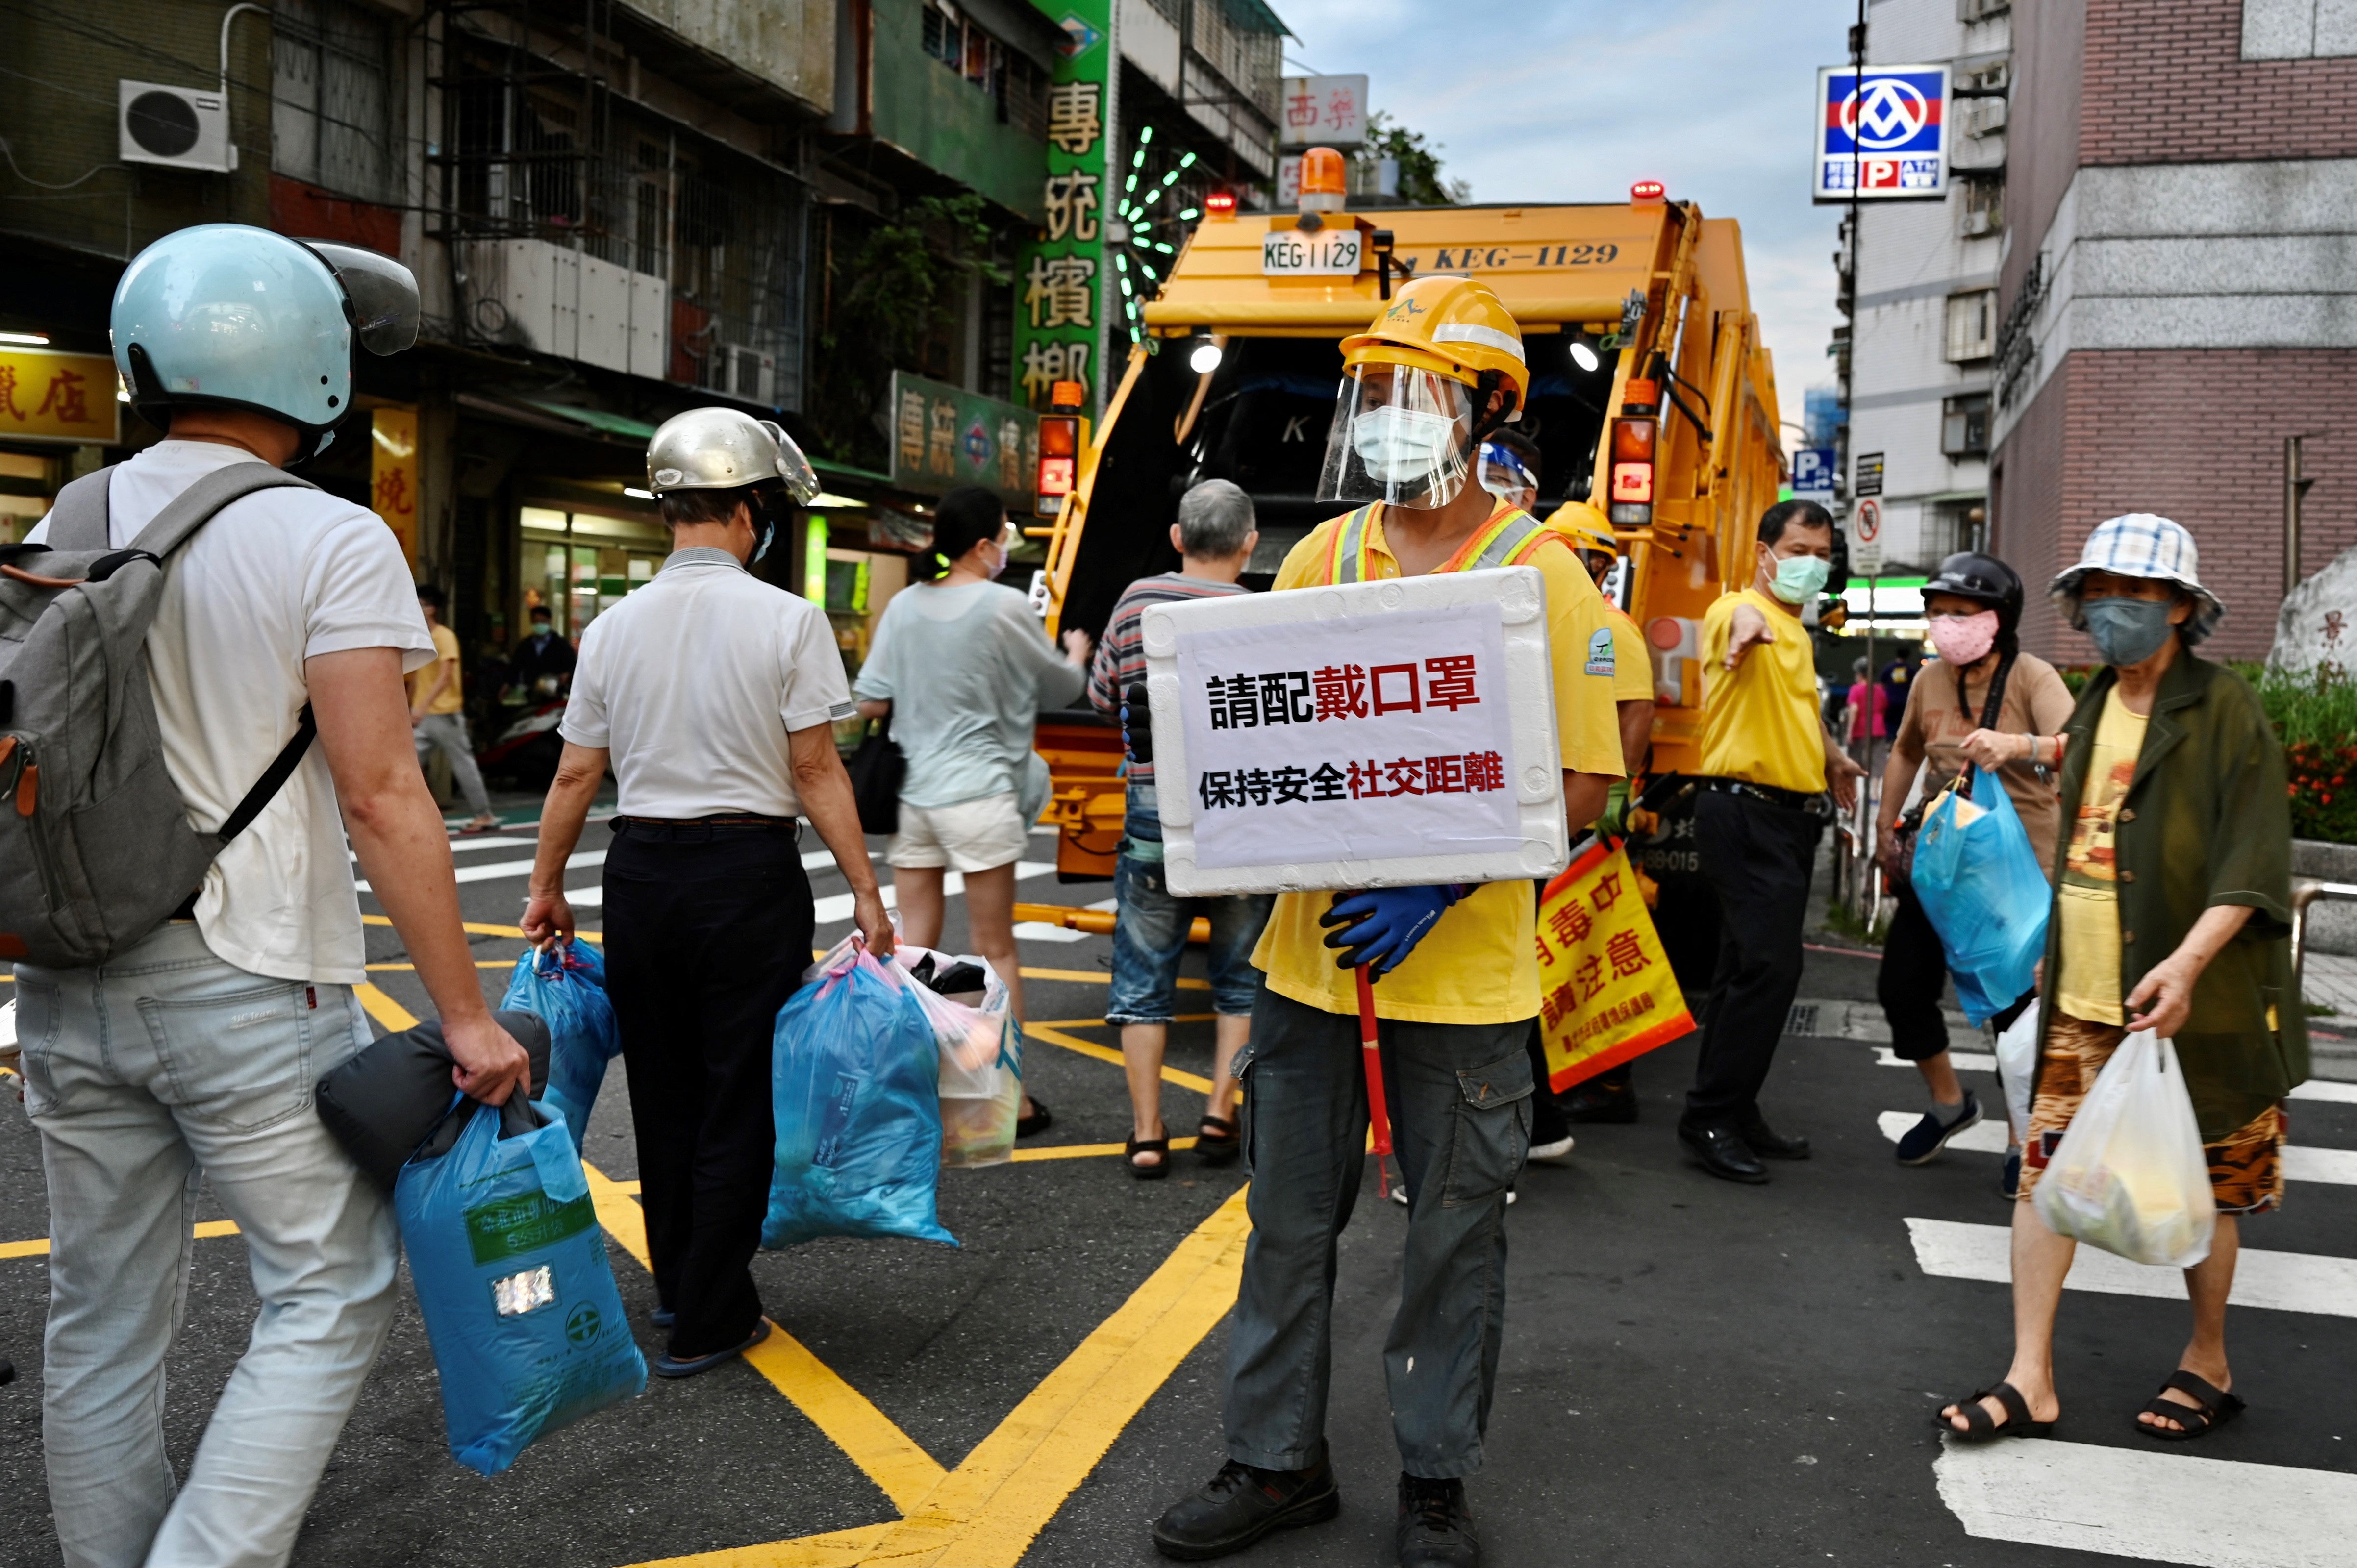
{"x": 1981, "y": 680}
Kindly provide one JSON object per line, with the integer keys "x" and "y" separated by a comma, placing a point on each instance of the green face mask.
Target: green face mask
{"x": 1800, "y": 578}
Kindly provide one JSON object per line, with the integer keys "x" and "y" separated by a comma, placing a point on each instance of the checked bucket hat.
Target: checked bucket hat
{"x": 2141, "y": 544}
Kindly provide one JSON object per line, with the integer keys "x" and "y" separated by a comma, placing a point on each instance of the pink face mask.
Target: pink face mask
{"x": 1964, "y": 639}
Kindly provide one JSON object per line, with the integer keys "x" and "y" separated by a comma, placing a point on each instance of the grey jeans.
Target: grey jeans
{"x": 1460, "y": 1106}
{"x": 447, "y": 733}
{"x": 142, "y": 1077}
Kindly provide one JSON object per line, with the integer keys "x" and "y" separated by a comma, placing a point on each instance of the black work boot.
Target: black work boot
{"x": 1435, "y": 1528}
{"x": 1242, "y": 1503}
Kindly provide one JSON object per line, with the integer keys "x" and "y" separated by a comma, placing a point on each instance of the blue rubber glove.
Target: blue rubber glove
{"x": 1136, "y": 734}
{"x": 1382, "y": 927}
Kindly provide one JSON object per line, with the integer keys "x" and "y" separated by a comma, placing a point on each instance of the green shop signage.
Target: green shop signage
{"x": 943, "y": 436}
{"x": 1060, "y": 327}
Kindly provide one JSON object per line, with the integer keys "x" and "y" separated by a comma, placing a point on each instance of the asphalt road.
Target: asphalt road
{"x": 1694, "y": 1373}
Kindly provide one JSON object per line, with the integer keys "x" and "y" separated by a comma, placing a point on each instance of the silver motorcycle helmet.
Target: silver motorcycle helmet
{"x": 723, "y": 450}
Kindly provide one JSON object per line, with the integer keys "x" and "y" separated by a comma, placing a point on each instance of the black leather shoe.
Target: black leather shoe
{"x": 1589, "y": 1103}
{"x": 1722, "y": 1153}
{"x": 1242, "y": 1503}
{"x": 1767, "y": 1142}
{"x": 1435, "y": 1528}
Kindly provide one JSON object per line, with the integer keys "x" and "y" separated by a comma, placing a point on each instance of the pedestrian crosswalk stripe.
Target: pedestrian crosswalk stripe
{"x": 2325, "y": 1089}
{"x": 1963, "y": 1061}
{"x": 2302, "y": 1162}
{"x": 497, "y": 869}
{"x": 2282, "y": 1282}
{"x": 2155, "y": 1506}
{"x": 836, "y": 906}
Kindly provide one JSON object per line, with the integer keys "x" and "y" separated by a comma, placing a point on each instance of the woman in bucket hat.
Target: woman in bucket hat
{"x": 2172, "y": 912}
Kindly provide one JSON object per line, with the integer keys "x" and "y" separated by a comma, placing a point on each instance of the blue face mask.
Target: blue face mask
{"x": 768, "y": 531}
{"x": 2128, "y": 631}
{"x": 1800, "y": 578}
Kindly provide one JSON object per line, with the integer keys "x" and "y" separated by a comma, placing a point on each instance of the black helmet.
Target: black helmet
{"x": 1985, "y": 580}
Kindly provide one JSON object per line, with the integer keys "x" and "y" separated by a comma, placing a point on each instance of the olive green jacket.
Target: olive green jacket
{"x": 2207, "y": 820}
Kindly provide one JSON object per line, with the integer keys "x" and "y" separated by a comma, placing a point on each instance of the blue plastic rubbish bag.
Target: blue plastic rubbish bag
{"x": 1981, "y": 887}
{"x": 854, "y": 1076}
{"x": 566, "y": 988}
{"x": 509, "y": 1263}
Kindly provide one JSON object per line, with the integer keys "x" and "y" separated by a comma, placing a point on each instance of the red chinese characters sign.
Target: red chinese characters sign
{"x": 1605, "y": 993}
{"x": 49, "y": 396}
{"x": 393, "y": 473}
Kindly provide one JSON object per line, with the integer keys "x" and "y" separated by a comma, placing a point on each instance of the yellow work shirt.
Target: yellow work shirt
{"x": 1479, "y": 963}
{"x": 1759, "y": 719}
{"x": 2088, "y": 899}
{"x": 1632, "y": 666}
{"x": 421, "y": 680}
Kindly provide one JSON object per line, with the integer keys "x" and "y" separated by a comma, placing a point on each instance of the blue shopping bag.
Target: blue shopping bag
{"x": 566, "y": 988}
{"x": 1981, "y": 887}
{"x": 509, "y": 1264}
{"x": 854, "y": 1080}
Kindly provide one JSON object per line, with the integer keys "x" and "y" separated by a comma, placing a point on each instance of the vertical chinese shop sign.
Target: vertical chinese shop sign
{"x": 393, "y": 474}
{"x": 1061, "y": 313}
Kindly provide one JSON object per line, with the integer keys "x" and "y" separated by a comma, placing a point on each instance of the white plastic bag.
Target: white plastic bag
{"x": 2016, "y": 1064}
{"x": 2130, "y": 1176}
{"x": 982, "y": 1059}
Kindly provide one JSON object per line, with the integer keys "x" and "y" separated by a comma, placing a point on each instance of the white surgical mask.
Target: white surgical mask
{"x": 1403, "y": 446}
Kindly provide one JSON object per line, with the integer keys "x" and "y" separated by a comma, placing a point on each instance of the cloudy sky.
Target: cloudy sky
{"x": 1572, "y": 100}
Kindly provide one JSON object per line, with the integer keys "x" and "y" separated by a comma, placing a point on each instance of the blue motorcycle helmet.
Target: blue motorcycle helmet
{"x": 227, "y": 316}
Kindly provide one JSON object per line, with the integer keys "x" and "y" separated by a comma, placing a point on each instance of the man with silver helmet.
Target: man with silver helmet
{"x": 711, "y": 696}
{"x": 195, "y": 1049}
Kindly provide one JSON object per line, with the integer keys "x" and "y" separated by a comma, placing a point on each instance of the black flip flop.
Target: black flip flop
{"x": 1038, "y": 1122}
{"x": 2217, "y": 1407}
{"x": 1217, "y": 1148}
{"x": 1980, "y": 1428}
{"x": 1159, "y": 1169}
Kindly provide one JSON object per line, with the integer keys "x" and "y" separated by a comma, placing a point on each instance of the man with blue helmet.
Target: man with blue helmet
{"x": 196, "y": 1048}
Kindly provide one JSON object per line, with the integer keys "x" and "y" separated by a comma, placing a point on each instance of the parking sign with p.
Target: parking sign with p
{"x": 1884, "y": 130}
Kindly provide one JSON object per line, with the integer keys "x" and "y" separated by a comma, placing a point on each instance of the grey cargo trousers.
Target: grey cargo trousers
{"x": 1461, "y": 1108}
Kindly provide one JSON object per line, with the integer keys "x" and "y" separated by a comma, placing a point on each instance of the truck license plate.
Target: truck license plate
{"x": 1289, "y": 253}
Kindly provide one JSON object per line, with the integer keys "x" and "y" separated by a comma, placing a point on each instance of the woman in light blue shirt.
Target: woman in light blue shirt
{"x": 960, "y": 665}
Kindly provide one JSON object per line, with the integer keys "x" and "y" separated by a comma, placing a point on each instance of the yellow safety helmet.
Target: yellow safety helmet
{"x": 1585, "y": 526}
{"x": 1452, "y": 327}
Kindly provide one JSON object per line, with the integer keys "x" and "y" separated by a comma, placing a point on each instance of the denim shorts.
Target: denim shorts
{"x": 1149, "y": 934}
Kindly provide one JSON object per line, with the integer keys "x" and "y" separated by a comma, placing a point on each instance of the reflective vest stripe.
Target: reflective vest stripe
{"x": 1511, "y": 540}
{"x": 1348, "y": 562}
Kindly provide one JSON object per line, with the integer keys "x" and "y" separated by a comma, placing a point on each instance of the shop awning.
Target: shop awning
{"x": 596, "y": 419}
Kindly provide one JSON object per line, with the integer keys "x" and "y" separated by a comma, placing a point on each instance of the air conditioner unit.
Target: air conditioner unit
{"x": 1976, "y": 222}
{"x": 1977, "y": 10}
{"x": 746, "y": 373}
{"x": 178, "y": 127}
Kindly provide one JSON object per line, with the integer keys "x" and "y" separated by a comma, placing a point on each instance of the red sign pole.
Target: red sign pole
{"x": 1379, "y": 1115}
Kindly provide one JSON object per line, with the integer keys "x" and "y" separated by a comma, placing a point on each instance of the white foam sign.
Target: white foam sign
{"x": 1370, "y": 735}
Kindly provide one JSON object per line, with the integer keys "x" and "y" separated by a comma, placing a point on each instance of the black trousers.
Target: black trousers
{"x": 1758, "y": 857}
{"x": 1914, "y": 974}
{"x": 707, "y": 933}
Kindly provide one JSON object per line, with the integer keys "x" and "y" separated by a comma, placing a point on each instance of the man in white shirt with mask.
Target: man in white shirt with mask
{"x": 194, "y": 1051}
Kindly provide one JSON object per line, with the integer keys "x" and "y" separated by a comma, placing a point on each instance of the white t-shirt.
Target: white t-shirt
{"x": 693, "y": 683}
{"x": 274, "y": 579}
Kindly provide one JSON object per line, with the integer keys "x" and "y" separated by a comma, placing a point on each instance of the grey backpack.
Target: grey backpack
{"x": 95, "y": 846}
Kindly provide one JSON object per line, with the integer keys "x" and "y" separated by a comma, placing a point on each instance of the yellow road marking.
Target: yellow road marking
{"x": 202, "y": 1230}
{"x": 986, "y": 1512}
{"x": 384, "y": 1008}
{"x": 476, "y": 930}
{"x": 1053, "y": 1034}
{"x": 1088, "y": 1151}
{"x": 480, "y": 963}
{"x": 891, "y": 1458}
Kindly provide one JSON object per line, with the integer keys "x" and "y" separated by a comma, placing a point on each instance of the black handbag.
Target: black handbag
{"x": 384, "y": 1103}
{"x": 877, "y": 768}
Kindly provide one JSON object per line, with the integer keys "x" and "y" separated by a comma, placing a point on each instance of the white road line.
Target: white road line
{"x": 1041, "y": 931}
{"x": 835, "y": 909}
{"x": 498, "y": 869}
{"x": 1963, "y": 1061}
{"x": 2149, "y": 1504}
{"x": 1984, "y": 1137}
{"x": 471, "y": 846}
{"x": 2302, "y": 1162}
{"x": 2283, "y": 1282}
{"x": 2325, "y": 1089}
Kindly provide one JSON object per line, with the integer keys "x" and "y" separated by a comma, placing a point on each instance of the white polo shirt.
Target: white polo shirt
{"x": 693, "y": 683}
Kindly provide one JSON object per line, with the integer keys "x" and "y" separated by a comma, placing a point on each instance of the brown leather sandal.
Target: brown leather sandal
{"x": 1154, "y": 1172}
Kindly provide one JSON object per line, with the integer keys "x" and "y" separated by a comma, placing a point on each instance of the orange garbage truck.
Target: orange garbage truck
{"x": 1651, "y": 396}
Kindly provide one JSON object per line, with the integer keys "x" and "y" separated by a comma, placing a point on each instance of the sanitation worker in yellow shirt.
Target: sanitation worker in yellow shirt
{"x": 1440, "y": 367}
{"x": 1766, "y": 757}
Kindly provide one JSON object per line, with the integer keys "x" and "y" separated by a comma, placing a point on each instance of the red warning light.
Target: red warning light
{"x": 1220, "y": 204}
{"x": 1648, "y": 191}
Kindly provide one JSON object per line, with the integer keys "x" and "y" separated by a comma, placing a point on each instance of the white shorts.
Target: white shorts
{"x": 972, "y": 835}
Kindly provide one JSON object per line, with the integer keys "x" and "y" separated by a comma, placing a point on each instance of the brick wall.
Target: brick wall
{"x": 2167, "y": 83}
{"x": 2042, "y": 129}
{"x": 2195, "y": 436}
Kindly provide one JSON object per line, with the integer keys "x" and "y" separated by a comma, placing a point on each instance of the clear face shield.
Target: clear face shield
{"x": 382, "y": 294}
{"x": 1501, "y": 473}
{"x": 1400, "y": 437}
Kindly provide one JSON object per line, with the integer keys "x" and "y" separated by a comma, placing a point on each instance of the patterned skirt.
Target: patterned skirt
{"x": 2245, "y": 1165}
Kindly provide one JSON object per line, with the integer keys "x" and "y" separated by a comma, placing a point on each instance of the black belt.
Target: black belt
{"x": 696, "y": 829}
{"x": 1792, "y": 800}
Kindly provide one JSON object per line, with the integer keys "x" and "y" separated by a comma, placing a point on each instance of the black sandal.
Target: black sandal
{"x": 1980, "y": 1428}
{"x": 1154, "y": 1172}
{"x": 1217, "y": 1148}
{"x": 2217, "y": 1407}
{"x": 1038, "y": 1122}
